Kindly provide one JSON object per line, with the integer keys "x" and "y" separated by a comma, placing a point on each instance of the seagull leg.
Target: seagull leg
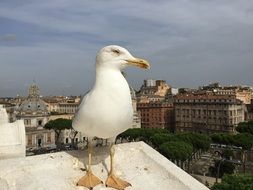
{"x": 89, "y": 180}
{"x": 112, "y": 180}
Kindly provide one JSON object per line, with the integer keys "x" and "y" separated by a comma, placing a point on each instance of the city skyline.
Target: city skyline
{"x": 189, "y": 43}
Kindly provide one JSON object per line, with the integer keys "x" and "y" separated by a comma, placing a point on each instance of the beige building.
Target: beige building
{"x": 68, "y": 107}
{"x": 136, "y": 116}
{"x": 34, "y": 112}
{"x": 244, "y": 95}
{"x": 153, "y": 90}
{"x": 249, "y": 112}
{"x": 62, "y": 105}
{"x": 67, "y": 135}
{"x": 63, "y": 116}
{"x": 208, "y": 113}
{"x": 152, "y": 105}
{"x": 52, "y": 106}
{"x": 241, "y": 93}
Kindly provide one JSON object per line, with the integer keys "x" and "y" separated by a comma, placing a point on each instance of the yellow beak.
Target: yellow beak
{"x": 142, "y": 63}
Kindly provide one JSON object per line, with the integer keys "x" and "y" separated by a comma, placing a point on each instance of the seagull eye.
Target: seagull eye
{"x": 116, "y": 51}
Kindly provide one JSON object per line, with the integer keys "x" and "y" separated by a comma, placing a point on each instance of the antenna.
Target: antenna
{"x": 34, "y": 81}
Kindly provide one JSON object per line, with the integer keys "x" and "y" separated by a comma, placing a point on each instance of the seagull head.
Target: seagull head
{"x": 117, "y": 57}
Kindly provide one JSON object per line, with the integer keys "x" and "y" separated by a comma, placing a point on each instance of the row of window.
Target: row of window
{"x": 204, "y": 100}
{"x": 30, "y": 143}
{"x": 153, "y": 119}
{"x": 67, "y": 106}
{"x": 68, "y": 140}
{"x": 208, "y": 112}
{"x": 213, "y": 120}
{"x": 28, "y": 122}
{"x": 213, "y": 127}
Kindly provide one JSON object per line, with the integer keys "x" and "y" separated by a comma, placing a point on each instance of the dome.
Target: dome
{"x": 33, "y": 104}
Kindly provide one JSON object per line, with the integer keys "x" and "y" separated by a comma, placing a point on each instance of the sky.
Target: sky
{"x": 189, "y": 43}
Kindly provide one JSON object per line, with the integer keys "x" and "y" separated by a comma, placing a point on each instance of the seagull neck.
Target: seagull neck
{"x": 109, "y": 76}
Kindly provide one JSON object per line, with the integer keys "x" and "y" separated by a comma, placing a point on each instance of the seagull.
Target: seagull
{"x": 106, "y": 110}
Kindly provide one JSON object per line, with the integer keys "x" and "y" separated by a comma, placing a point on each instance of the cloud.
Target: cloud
{"x": 189, "y": 42}
{"x": 8, "y": 37}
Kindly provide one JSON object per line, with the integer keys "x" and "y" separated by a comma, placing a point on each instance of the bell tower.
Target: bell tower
{"x": 34, "y": 91}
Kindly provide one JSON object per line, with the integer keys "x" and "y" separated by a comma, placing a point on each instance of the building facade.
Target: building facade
{"x": 68, "y": 107}
{"x": 157, "y": 115}
{"x": 241, "y": 93}
{"x": 249, "y": 112}
{"x": 155, "y": 106}
{"x": 208, "y": 113}
{"x": 153, "y": 90}
{"x": 62, "y": 104}
{"x": 34, "y": 112}
{"x": 136, "y": 117}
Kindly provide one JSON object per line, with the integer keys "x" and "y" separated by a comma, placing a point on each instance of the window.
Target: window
{"x": 39, "y": 142}
{"x": 39, "y": 122}
{"x": 29, "y": 142}
{"x": 49, "y": 137}
{"x": 27, "y": 122}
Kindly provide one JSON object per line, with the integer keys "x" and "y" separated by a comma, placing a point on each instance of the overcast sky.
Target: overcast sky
{"x": 188, "y": 42}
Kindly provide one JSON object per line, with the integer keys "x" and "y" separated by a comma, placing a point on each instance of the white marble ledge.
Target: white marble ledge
{"x": 137, "y": 163}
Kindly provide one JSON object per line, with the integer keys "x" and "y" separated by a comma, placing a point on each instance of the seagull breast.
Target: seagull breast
{"x": 107, "y": 109}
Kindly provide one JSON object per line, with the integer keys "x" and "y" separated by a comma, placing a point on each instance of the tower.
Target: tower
{"x": 34, "y": 91}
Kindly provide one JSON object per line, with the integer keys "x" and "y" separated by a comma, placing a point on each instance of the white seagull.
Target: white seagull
{"x": 106, "y": 110}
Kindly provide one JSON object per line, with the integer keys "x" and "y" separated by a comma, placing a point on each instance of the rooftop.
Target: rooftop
{"x": 136, "y": 162}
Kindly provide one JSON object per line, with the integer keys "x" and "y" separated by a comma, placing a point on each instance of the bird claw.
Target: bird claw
{"x": 116, "y": 183}
{"x": 89, "y": 180}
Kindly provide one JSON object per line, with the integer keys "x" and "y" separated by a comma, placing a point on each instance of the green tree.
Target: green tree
{"x": 140, "y": 134}
{"x": 244, "y": 140}
{"x": 148, "y": 133}
{"x": 224, "y": 167}
{"x": 58, "y": 125}
{"x": 245, "y": 127}
{"x": 235, "y": 182}
{"x": 176, "y": 150}
{"x": 160, "y": 138}
{"x": 130, "y": 134}
{"x": 223, "y": 138}
{"x": 198, "y": 141}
